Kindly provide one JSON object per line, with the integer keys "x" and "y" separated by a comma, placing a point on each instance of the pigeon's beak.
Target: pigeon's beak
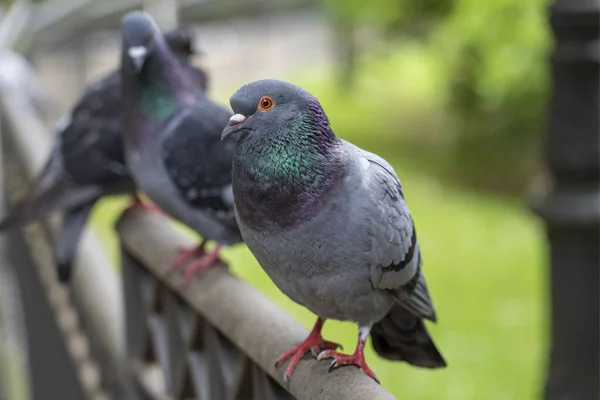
{"x": 138, "y": 56}
{"x": 234, "y": 125}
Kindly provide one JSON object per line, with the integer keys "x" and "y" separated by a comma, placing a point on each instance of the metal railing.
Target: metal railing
{"x": 88, "y": 313}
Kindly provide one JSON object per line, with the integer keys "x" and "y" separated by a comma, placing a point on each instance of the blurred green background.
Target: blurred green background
{"x": 452, "y": 94}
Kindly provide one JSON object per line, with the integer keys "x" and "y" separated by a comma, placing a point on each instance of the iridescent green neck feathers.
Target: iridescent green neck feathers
{"x": 284, "y": 176}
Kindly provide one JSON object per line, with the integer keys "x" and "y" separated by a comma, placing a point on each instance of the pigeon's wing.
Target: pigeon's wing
{"x": 52, "y": 190}
{"x": 198, "y": 76}
{"x": 181, "y": 43}
{"x": 396, "y": 254}
{"x": 90, "y": 138}
{"x": 73, "y": 223}
{"x": 199, "y": 163}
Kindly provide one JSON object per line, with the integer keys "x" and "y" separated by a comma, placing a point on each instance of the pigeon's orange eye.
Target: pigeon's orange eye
{"x": 150, "y": 37}
{"x": 265, "y": 103}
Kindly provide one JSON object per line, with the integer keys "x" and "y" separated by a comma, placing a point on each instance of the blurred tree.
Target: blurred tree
{"x": 495, "y": 53}
{"x": 344, "y": 30}
{"x": 390, "y": 17}
{"x": 396, "y": 17}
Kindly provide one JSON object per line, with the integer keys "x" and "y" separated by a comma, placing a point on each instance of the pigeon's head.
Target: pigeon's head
{"x": 141, "y": 38}
{"x": 271, "y": 107}
{"x": 181, "y": 41}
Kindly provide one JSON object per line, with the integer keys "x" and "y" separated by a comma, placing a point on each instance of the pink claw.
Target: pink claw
{"x": 314, "y": 343}
{"x": 138, "y": 205}
{"x": 202, "y": 264}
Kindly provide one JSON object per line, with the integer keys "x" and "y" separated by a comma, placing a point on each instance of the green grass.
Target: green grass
{"x": 483, "y": 258}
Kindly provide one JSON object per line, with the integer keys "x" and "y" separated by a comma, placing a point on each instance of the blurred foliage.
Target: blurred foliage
{"x": 490, "y": 61}
{"x": 496, "y": 53}
{"x": 392, "y": 16}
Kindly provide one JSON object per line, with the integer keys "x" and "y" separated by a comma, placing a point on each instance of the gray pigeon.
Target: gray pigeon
{"x": 329, "y": 224}
{"x": 87, "y": 161}
{"x": 172, "y": 141}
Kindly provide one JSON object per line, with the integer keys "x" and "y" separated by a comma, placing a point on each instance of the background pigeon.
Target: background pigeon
{"x": 329, "y": 224}
{"x": 87, "y": 160}
{"x": 172, "y": 141}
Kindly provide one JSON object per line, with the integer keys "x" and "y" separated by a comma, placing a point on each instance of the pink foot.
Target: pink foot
{"x": 202, "y": 264}
{"x": 138, "y": 205}
{"x": 184, "y": 254}
{"x": 358, "y": 358}
{"x": 314, "y": 343}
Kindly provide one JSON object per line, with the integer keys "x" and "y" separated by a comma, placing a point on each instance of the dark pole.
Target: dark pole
{"x": 572, "y": 208}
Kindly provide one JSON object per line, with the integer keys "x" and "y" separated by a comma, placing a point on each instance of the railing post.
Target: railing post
{"x": 571, "y": 209}
{"x": 14, "y": 382}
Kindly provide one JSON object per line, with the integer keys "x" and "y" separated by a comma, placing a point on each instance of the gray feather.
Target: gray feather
{"x": 416, "y": 299}
{"x": 53, "y": 190}
{"x": 395, "y": 244}
{"x": 72, "y": 226}
{"x": 403, "y": 337}
{"x": 393, "y": 236}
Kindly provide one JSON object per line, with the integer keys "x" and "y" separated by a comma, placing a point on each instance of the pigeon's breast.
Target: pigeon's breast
{"x": 323, "y": 264}
{"x": 151, "y": 177}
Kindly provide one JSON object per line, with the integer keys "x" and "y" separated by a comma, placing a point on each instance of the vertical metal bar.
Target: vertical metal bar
{"x": 14, "y": 381}
{"x": 4, "y": 384}
{"x": 571, "y": 209}
{"x": 135, "y": 317}
{"x": 53, "y": 374}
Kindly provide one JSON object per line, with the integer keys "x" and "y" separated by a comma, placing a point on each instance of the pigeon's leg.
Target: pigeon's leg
{"x": 186, "y": 253}
{"x": 314, "y": 342}
{"x": 358, "y": 358}
{"x": 202, "y": 264}
{"x": 138, "y": 205}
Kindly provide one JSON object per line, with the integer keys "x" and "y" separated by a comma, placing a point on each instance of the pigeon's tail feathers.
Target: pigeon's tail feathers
{"x": 415, "y": 298}
{"x": 73, "y": 223}
{"x": 51, "y": 191}
{"x": 402, "y": 336}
